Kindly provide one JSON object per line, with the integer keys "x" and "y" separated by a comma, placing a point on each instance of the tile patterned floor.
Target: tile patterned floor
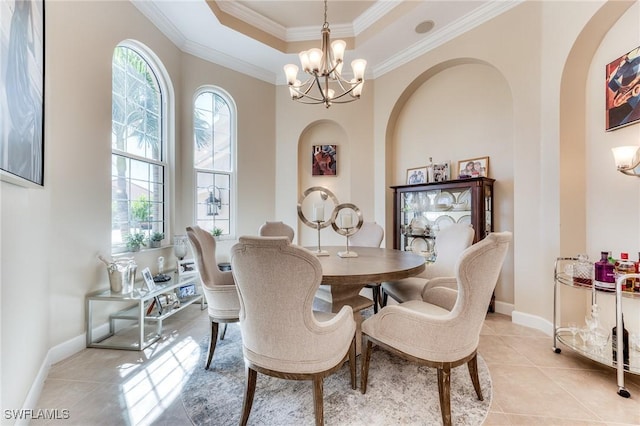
{"x": 531, "y": 384}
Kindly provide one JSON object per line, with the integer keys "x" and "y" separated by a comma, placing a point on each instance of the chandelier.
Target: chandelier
{"x": 324, "y": 67}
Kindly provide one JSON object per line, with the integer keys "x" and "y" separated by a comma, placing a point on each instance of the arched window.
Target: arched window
{"x": 138, "y": 148}
{"x": 214, "y": 137}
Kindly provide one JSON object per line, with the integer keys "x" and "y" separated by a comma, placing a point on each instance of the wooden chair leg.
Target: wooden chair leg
{"x": 352, "y": 363}
{"x": 317, "y": 399}
{"x": 251, "y": 377}
{"x": 367, "y": 347}
{"x": 212, "y": 343}
{"x": 473, "y": 372}
{"x": 385, "y": 299}
{"x": 375, "y": 289}
{"x": 444, "y": 391}
{"x": 224, "y": 331}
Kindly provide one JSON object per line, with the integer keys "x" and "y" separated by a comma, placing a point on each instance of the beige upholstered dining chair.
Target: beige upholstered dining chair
{"x": 429, "y": 335}
{"x": 450, "y": 243}
{"x": 281, "y": 335}
{"x": 369, "y": 235}
{"x": 276, "y": 229}
{"x": 218, "y": 286}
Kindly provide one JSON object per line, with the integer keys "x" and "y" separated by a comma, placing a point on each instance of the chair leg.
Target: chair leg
{"x": 224, "y": 331}
{"x": 352, "y": 363}
{"x": 367, "y": 347}
{"x": 317, "y": 399}
{"x": 385, "y": 299}
{"x": 444, "y": 391}
{"x": 212, "y": 343}
{"x": 250, "y": 391}
{"x": 473, "y": 372}
{"x": 375, "y": 289}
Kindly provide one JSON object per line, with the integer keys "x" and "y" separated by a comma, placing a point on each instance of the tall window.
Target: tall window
{"x": 214, "y": 144}
{"x": 138, "y": 163}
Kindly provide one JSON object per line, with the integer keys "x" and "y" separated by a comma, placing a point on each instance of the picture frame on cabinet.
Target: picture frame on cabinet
{"x": 473, "y": 167}
{"x": 150, "y": 285}
{"x": 417, "y": 175}
{"x": 622, "y": 90}
{"x": 441, "y": 172}
{"x": 324, "y": 160}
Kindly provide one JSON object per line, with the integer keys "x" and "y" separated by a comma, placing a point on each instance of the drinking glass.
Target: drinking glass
{"x": 585, "y": 335}
{"x": 591, "y": 322}
{"x": 573, "y": 329}
{"x": 600, "y": 338}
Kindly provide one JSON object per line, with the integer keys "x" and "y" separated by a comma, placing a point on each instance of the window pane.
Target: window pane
{"x": 212, "y": 133}
{"x": 212, "y": 201}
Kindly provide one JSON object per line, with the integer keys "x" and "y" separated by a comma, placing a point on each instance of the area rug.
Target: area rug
{"x": 398, "y": 393}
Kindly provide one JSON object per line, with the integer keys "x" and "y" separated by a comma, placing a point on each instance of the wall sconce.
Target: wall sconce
{"x": 627, "y": 159}
{"x": 214, "y": 204}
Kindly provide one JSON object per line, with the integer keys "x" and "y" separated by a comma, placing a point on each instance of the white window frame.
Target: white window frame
{"x": 233, "y": 142}
{"x": 167, "y": 132}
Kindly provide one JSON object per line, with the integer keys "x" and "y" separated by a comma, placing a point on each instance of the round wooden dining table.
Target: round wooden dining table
{"x": 346, "y": 276}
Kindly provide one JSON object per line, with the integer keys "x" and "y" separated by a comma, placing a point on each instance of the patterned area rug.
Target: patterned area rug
{"x": 398, "y": 392}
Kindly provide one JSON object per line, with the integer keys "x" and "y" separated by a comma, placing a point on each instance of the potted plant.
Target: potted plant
{"x": 155, "y": 239}
{"x": 216, "y": 232}
{"x": 135, "y": 241}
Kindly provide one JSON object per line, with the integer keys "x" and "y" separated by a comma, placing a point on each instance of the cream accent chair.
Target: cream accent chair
{"x": 430, "y": 335}
{"x": 450, "y": 242}
{"x": 218, "y": 286}
{"x": 281, "y": 335}
{"x": 369, "y": 235}
{"x": 276, "y": 229}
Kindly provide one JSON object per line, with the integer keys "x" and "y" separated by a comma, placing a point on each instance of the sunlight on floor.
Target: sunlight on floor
{"x": 150, "y": 391}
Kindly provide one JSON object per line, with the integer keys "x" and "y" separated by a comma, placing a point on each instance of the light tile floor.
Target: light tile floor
{"x": 531, "y": 384}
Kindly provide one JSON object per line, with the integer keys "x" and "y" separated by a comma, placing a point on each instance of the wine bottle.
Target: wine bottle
{"x": 625, "y": 344}
{"x": 625, "y": 266}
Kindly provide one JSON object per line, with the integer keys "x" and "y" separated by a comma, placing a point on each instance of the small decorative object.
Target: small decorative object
{"x": 135, "y": 241}
{"x": 148, "y": 279}
{"x": 187, "y": 267}
{"x": 417, "y": 175}
{"x": 185, "y": 291}
{"x": 346, "y": 226}
{"x": 161, "y": 277}
{"x": 473, "y": 167}
{"x": 216, "y": 232}
{"x": 622, "y": 88}
{"x": 441, "y": 172}
{"x": 156, "y": 239}
{"x": 121, "y": 274}
{"x": 324, "y": 160}
{"x": 318, "y": 196}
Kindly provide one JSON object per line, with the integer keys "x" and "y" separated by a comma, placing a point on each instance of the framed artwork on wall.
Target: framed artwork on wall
{"x": 324, "y": 160}
{"x": 622, "y": 89}
{"x": 22, "y": 92}
{"x": 473, "y": 167}
{"x": 417, "y": 175}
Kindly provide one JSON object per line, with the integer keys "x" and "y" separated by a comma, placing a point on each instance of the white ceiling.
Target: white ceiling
{"x": 382, "y": 31}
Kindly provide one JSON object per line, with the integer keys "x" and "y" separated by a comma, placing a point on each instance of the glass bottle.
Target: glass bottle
{"x": 636, "y": 282}
{"x": 625, "y": 344}
{"x": 604, "y": 269}
{"x": 583, "y": 271}
{"x": 625, "y": 266}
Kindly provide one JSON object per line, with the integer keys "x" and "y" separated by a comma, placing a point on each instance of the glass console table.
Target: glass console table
{"x": 603, "y": 355}
{"x": 137, "y": 306}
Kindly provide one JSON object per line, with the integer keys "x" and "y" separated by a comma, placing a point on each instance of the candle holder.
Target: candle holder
{"x": 347, "y": 230}
{"x": 318, "y": 213}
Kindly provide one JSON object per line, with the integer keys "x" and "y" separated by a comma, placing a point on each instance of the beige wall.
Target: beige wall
{"x": 51, "y": 236}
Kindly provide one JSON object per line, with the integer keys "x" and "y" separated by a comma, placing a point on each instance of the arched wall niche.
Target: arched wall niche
{"x": 323, "y": 132}
{"x": 458, "y": 109}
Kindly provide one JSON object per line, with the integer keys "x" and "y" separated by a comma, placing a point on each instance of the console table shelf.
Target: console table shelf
{"x": 603, "y": 355}
{"x": 136, "y": 310}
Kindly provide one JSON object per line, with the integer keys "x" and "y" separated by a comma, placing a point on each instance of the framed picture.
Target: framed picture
{"x": 441, "y": 172}
{"x": 22, "y": 92}
{"x": 473, "y": 167}
{"x": 185, "y": 291}
{"x": 622, "y": 88}
{"x": 417, "y": 175}
{"x": 148, "y": 279}
{"x": 324, "y": 160}
{"x": 187, "y": 267}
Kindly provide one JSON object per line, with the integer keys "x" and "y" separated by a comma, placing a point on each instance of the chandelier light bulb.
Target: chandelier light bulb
{"x": 304, "y": 61}
{"x": 291, "y": 71}
{"x": 358, "y": 66}
{"x": 315, "y": 59}
{"x": 338, "y": 47}
{"x": 357, "y": 90}
{"x": 624, "y": 156}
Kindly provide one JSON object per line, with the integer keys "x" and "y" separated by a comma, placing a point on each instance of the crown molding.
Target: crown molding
{"x": 373, "y": 14}
{"x": 460, "y": 26}
{"x": 253, "y": 18}
{"x": 160, "y": 20}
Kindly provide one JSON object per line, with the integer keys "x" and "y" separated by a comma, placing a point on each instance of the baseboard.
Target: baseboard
{"x": 532, "y": 321}
{"x": 503, "y": 308}
{"x": 54, "y": 355}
